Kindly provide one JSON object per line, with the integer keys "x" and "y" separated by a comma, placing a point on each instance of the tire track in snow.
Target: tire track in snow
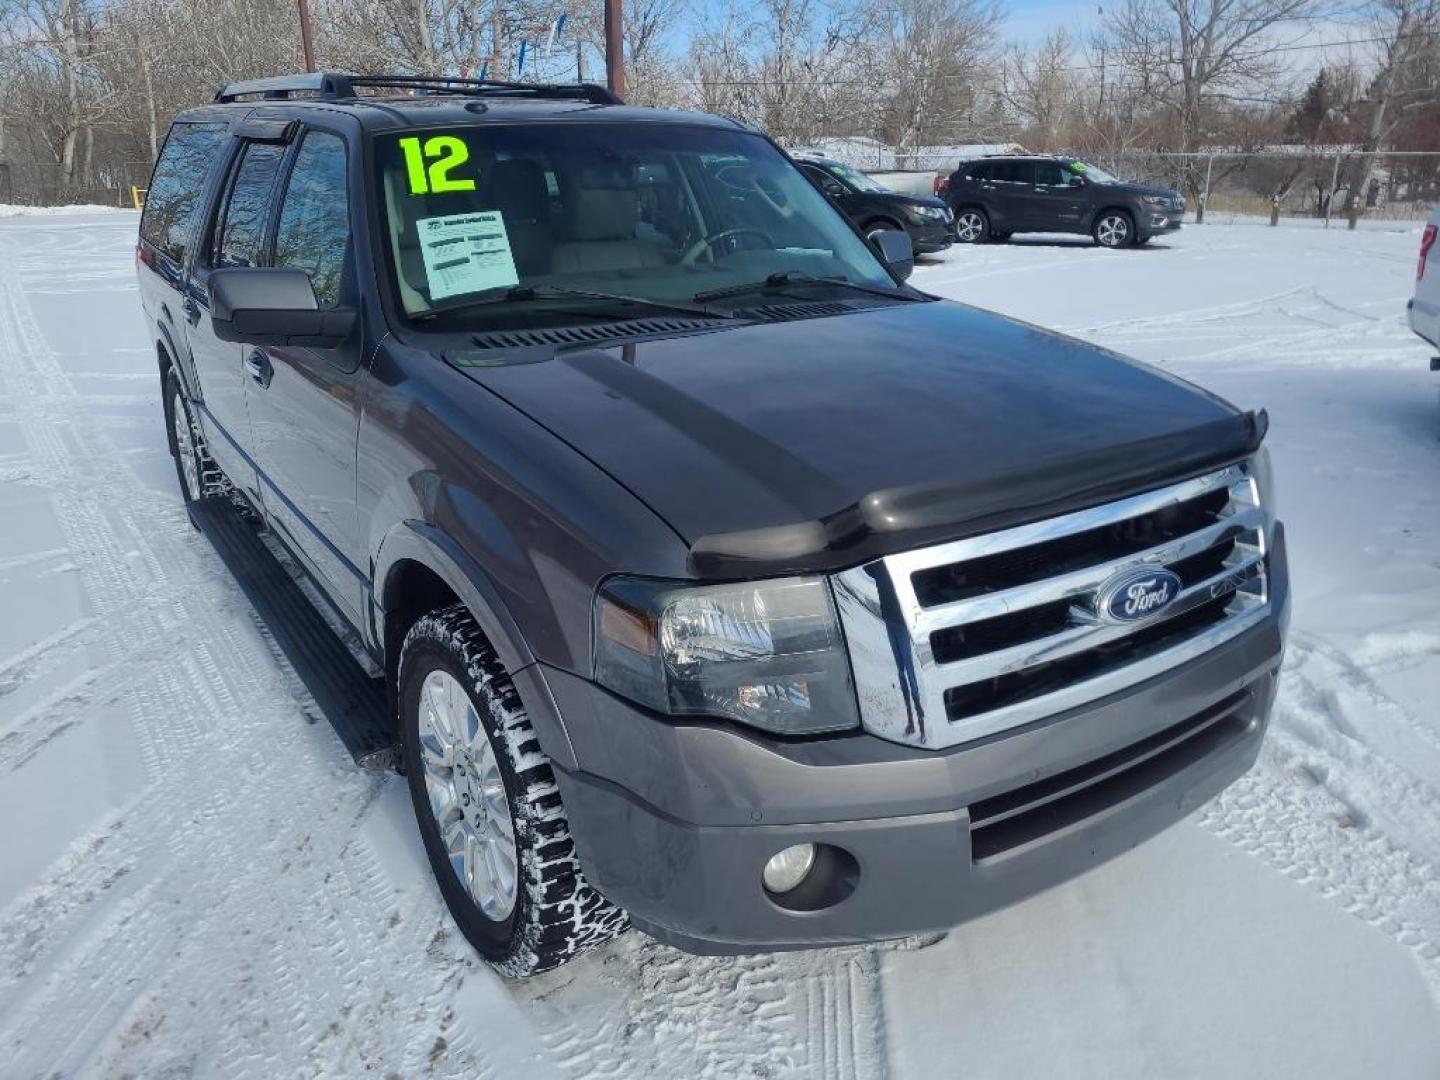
{"x": 1294, "y": 812}
{"x": 227, "y": 919}
{"x": 124, "y": 925}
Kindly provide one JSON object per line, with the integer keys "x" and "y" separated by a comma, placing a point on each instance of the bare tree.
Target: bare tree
{"x": 1189, "y": 55}
{"x": 938, "y": 55}
{"x": 1040, "y": 85}
{"x": 1409, "y": 34}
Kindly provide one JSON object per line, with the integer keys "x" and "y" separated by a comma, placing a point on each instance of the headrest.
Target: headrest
{"x": 603, "y": 214}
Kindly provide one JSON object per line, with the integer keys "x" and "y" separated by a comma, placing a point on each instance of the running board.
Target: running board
{"x": 352, "y": 700}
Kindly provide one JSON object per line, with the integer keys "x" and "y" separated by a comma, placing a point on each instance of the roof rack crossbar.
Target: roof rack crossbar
{"x": 338, "y": 86}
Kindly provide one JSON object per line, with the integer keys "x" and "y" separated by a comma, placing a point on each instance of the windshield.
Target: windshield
{"x": 855, "y": 178}
{"x": 1092, "y": 172}
{"x": 651, "y": 211}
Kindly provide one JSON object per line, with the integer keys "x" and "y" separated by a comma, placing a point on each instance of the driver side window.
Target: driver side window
{"x": 828, "y": 183}
{"x": 314, "y": 230}
{"x": 1050, "y": 174}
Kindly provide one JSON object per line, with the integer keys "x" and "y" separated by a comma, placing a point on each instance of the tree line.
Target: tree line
{"x": 88, "y": 87}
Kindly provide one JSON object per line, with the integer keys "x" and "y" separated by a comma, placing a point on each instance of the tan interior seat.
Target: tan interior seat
{"x": 600, "y": 221}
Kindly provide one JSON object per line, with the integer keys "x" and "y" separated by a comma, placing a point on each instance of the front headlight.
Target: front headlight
{"x": 927, "y": 213}
{"x": 1155, "y": 200}
{"x": 768, "y": 653}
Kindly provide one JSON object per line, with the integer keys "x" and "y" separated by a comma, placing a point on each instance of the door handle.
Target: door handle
{"x": 257, "y": 366}
{"x": 191, "y": 310}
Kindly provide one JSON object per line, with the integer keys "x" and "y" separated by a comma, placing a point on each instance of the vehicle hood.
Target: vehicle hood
{"x": 901, "y": 199}
{"x": 813, "y": 443}
{"x": 1141, "y": 189}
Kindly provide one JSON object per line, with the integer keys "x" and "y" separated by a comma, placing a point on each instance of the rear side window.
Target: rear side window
{"x": 1013, "y": 172}
{"x": 240, "y": 234}
{"x": 314, "y": 230}
{"x": 177, "y": 188}
{"x": 980, "y": 172}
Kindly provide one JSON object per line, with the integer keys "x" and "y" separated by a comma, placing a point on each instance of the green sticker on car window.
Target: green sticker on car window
{"x": 428, "y": 165}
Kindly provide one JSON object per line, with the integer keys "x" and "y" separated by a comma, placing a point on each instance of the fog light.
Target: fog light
{"x": 788, "y": 868}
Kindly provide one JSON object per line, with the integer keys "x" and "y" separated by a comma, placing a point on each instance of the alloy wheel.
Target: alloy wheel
{"x": 969, "y": 227}
{"x": 467, "y": 795}
{"x": 1113, "y": 231}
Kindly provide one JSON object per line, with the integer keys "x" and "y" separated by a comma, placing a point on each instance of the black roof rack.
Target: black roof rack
{"x": 339, "y": 86}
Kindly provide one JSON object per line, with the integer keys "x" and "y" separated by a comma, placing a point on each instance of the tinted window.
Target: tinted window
{"x": 983, "y": 171}
{"x": 314, "y": 230}
{"x": 1013, "y": 172}
{"x": 177, "y": 188}
{"x": 1050, "y": 172}
{"x": 828, "y": 183}
{"x": 239, "y": 235}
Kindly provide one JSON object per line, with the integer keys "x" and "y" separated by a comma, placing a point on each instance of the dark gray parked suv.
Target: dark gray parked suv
{"x": 995, "y": 197}
{"x": 723, "y": 584}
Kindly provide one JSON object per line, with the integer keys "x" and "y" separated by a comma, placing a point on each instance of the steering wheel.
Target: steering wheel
{"x": 708, "y": 243}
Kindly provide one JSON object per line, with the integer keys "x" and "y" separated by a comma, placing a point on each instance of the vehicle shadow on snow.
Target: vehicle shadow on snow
{"x": 1071, "y": 242}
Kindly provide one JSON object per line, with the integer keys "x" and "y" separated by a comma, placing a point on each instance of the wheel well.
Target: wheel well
{"x": 411, "y": 590}
{"x": 1112, "y": 210}
{"x": 882, "y": 223}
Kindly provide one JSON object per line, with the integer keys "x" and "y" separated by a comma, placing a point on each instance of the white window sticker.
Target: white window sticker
{"x": 466, "y": 253}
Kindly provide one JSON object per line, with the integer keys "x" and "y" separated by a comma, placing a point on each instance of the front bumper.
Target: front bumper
{"x": 1159, "y": 222}
{"x": 674, "y": 821}
{"x": 932, "y": 236}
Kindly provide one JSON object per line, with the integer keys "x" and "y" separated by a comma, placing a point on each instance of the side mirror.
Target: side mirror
{"x": 895, "y": 250}
{"x": 1077, "y": 181}
{"x": 272, "y": 306}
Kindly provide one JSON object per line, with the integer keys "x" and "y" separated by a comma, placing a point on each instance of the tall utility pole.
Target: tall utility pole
{"x": 614, "y": 47}
{"x": 307, "y": 39}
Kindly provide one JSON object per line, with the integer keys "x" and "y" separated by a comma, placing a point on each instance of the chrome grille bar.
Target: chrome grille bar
{"x": 902, "y": 687}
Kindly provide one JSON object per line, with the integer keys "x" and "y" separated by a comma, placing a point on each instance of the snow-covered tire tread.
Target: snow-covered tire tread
{"x": 213, "y": 482}
{"x": 569, "y": 916}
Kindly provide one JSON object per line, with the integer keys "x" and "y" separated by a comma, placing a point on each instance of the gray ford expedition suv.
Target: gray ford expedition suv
{"x": 723, "y": 584}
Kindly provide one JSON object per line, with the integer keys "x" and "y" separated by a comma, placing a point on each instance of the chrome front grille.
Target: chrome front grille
{"x": 962, "y": 640}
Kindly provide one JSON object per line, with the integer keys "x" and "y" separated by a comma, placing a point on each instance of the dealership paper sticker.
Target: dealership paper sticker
{"x": 466, "y": 253}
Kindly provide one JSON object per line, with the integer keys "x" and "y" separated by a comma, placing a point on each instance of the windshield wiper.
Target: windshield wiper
{"x": 525, "y": 293}
{"x": 781, "y": 278}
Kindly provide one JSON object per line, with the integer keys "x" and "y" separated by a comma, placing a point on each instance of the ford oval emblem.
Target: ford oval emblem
{"x": 1137, "y": 594}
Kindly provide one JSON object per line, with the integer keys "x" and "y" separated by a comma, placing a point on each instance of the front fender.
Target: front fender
{"x": 431, "y": 547}
{"x": 421, "y": 542}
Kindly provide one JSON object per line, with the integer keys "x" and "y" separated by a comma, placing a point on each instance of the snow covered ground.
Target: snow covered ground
{"x": 193, "y": 879}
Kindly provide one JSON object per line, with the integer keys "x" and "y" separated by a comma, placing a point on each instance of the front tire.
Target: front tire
{"x": 972, "y": 226}
{"x": 487, "y": 805}
{"x": 1114, "y": 229}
